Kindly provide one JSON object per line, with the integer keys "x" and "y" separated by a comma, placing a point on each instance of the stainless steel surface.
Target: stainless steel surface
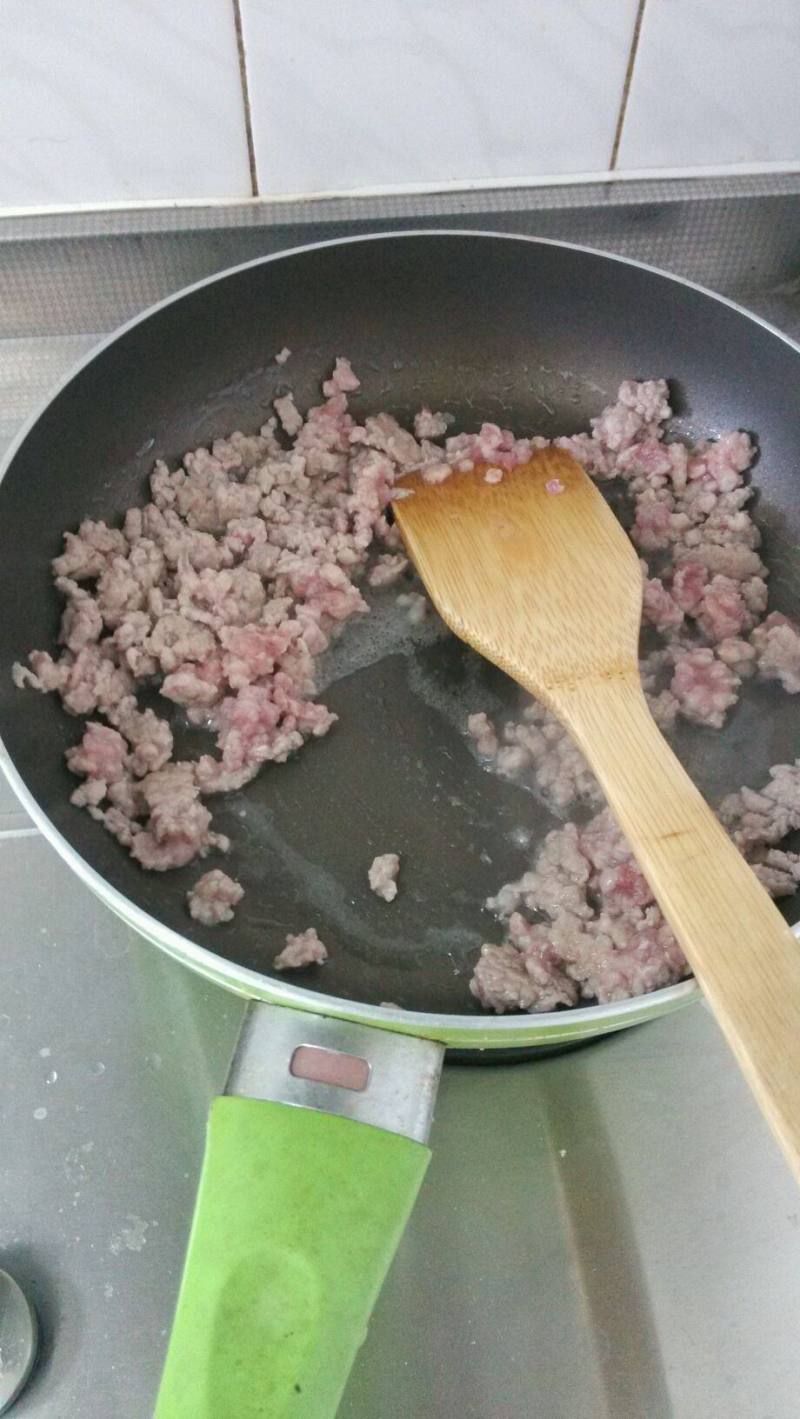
{"x": 608, "y": 1234}
{"x": 69, "y": 272}
{"x": 403, "y": 1071}
{"x": 18, "y": 1340}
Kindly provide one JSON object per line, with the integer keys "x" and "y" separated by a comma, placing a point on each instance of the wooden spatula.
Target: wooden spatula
{"x": 538, "y": 575}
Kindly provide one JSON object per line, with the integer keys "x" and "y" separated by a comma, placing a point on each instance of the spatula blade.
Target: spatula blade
{"x": 535, "y": 572}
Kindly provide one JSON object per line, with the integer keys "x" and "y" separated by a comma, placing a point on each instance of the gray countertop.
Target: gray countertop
{"x": 610, "y": 1232}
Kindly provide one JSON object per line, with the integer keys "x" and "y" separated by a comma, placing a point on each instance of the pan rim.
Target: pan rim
{"x": 468, "y": 1030}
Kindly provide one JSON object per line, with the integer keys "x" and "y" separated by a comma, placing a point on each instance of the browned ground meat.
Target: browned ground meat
{"x": 226, "y": 586}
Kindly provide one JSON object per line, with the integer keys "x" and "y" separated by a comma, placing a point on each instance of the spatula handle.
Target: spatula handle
{"x": 744, "y": 954}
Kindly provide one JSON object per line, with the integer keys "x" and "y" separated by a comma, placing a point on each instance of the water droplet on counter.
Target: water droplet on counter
{"x": 44, "y": 1053}
{"x": 51, "y": 1077}
{"x": 97, "y": 1069}
{"x": 39, "y": 1114}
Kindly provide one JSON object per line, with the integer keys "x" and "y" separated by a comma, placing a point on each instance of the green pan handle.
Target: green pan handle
{"x": 299, "y": 1213}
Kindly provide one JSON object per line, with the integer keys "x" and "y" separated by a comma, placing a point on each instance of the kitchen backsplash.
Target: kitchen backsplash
{"x": 129, "y": 100}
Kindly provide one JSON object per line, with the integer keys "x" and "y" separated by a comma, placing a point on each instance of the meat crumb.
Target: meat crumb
{"x": 416, "y": 606}
{"x": 305, "y": 949}
{"x": 288, "y": 413}
{"x": 343, "y": 379}
{"x": 436, "y": 472}
{"x": 428, "y": 425}
{"x": 482, "y": 732}
{"x": 493, "y": 475}
{"x": 213, "y": 897}
{"x": 777, "y": 646}
{"x": 387, "y": 570}
{"x": 383, "y": 875}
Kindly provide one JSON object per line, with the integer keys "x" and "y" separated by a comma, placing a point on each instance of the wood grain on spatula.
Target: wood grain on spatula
{"x": 538, "y": 575}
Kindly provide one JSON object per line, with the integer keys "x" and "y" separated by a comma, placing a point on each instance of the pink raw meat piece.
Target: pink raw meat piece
{"x": 722, "y": 612}
{"x": 704, "y": 686}
{"x": 148, "y": 735}
{"x": 82, "y": 621}
{"x": 507, "y": 979}
{"x": 652, "y": 527}
{"x": 302, "y": 950}
{"x": 383, "y": 433}
{"x": 603, "y": 842}
{"x": 433, "y": 473}
{"x": 289, "y": 414}
{"x": 383, "y": 875}
{"x": 778, "y": 872}
{"x": 213, "y": 898}
{"x": 739, "y": 655}
{"x": 777, "y": 646}
{"x": 623, "y": 887}
{"x": 660, "y": 608}
{"x": 252, "y": 652}
{"x": 387, "y": 570}
{"x": 177, "y": 829}
{"x": 212, "y": 776}
{"x": 646, "y": 958}
{"x": 101, "y": 754}
{"x": 721, "y": 463}
{"x": 539, "y": 751}
{"x": 650, "y": 463}
{"x": 493, "y": 445}
{"x": 343, "y": 380}
{"x": 86, "y": 552}
{"x": 215, "y": 599}
{"x": 196, "y": 686}
{"x": 86, "y": 682}
{"x": 688, "y": 583}
{"x": 175, "y": 640}
{"x": 429, "y": 425}
{"x": 267, "y": 722}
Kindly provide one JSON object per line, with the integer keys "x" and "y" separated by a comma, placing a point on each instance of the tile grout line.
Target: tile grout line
{"x": 626, "y": 85}
{"x": 248, "y": 117}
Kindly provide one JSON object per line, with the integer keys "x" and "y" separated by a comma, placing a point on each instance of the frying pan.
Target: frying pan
{"x": 300, "y": 1208}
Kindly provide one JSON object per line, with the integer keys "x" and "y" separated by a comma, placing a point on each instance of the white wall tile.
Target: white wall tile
{"x": 119, "y": 99}
{"x": 715, "y": 81}
{"x": 359, "y": 93}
